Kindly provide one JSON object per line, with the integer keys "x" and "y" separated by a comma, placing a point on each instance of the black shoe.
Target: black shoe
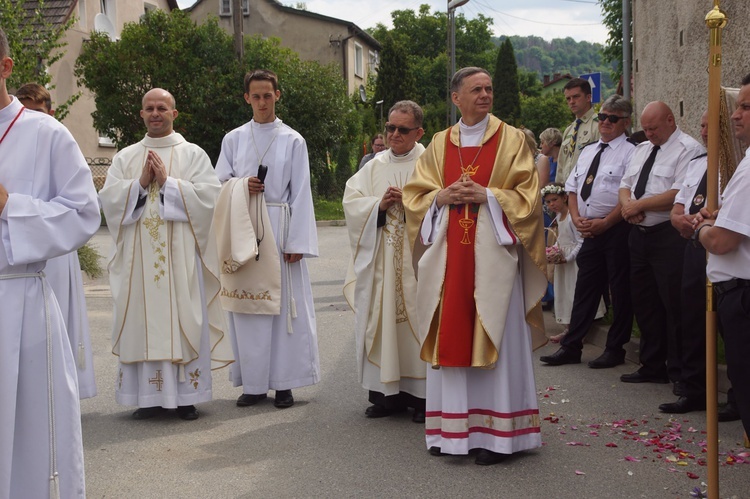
{"x": 377, "y": 411}
{"x": 729, "y": 413}
{"x": 187, "y": 412}
{"x": 638, "y": 377}
{"x": 607, "y": 359}
{"x": 418, "y": 416}
{"x": 683, "y": 405}
{"x": 435, "y": 451}
{"x": 248, "y": 399}
{"x": 147, "y": 412}
{"x": 561, "y": 357}
{"x": 283, "y": 399}
{"x": 679, "y": 389}
{"x": 487, "y": 457}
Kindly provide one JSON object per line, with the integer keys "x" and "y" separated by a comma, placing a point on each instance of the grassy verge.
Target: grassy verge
{"x": 327, "y": 209}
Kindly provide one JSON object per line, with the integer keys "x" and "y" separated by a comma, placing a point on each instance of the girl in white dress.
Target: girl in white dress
{"x": 563, "y": 254}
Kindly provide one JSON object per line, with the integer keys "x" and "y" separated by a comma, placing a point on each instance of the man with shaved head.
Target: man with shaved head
{"x": 168, "y": 331}
{"x": 647, "y": 192}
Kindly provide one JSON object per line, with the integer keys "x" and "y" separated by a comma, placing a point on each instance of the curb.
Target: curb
{"x": 330, "y": 223}
{"x": 598, "y": 336}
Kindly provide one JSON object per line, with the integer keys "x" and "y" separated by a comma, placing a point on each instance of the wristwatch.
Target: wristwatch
{"x": 697, "y": 234}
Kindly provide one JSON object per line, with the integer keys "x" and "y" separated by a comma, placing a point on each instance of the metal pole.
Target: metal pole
{"x": 448, "y": 102}
{"x": 715, "y": 20}
{"x": 239, "y": 46}
{"x": 627, "y": 54}
{"x": 453, "y": 63}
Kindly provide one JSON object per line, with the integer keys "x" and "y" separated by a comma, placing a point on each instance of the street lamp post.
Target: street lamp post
{"x": 452, "y": 6}
{"x": 380, "y": 103}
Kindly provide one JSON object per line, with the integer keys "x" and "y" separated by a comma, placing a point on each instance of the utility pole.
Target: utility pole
{"x": 452, "y": 6}
{"x": 239, "y": 46}
{"x": 627, "y": 54}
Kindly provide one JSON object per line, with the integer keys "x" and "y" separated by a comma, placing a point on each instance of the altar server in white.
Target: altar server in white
{"x": 168, "y": 331}
{"x": 271, "y": 318}
{"x": 380, "y": 286}
{"x": 47, "y": 208}
{"x": 64, "y": 274}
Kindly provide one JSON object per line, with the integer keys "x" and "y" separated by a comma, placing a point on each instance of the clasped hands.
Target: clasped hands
{"x": 590, "y": 227}
{"x": 462, "y": 191}
{"x": 392, "y": 196}
{"x": 632, "y": 211}
{"x": 153, "y": 169}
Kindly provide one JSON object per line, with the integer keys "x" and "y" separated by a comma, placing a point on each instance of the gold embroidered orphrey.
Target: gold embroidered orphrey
{"x": 395, "y": 231}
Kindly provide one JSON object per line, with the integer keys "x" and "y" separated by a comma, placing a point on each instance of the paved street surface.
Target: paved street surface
{"x": 602, "y": 438}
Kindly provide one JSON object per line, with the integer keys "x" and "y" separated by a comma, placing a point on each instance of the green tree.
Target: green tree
{"x": 507, "y": 100}
{"x": 196, "y": 63}
{"x": 423, "y": 34}
{"x": 395, "y": 79}
{"x": 529, "y": 83}
{"x": 545, "y": 111}
{"x": 167, "y": 50}
{"x": 35, "y": 45}
{"x": 612, "y": 19}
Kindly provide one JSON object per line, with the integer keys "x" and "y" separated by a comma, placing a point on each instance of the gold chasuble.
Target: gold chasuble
{"x": 465, "y": 276}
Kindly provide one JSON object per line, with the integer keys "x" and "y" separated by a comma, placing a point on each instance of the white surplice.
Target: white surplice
{"x": 51, "y": 210}
{"x": 278, "y": 352}
{"x": 380, "y": 286}
{"x": 168, "y": 326}
{"x": 64, "y": 275}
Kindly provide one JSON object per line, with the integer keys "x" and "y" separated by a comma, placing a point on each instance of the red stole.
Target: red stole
{"x": 459, "y": 310}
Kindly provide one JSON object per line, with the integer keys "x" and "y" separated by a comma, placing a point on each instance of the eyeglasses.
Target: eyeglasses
{"x": 613, "y": 118}
{"x": 401, "y": 129}
{"x": 378, "y": 145}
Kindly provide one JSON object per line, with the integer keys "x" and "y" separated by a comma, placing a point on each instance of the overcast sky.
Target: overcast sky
{"x": 580, "y": 19}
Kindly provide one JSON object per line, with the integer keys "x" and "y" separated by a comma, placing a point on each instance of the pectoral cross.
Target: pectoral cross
{"x": 157, "y": 380}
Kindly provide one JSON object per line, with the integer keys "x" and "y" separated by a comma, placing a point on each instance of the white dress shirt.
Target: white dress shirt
{"x": 735, "y": 216}
{"x": 612, "y": 165}
{"x": 667, "y": 173}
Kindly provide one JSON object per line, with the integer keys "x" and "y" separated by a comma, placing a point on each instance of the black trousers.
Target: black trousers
{"x": 603, "y": 262}
{"x": 734, "y": 315}
{"x": 656, "y": 283}
{"x": 693, "y": 305}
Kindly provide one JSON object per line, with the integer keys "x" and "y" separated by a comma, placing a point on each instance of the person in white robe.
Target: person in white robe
{"x": 381, "y": 287}
{"x": 48, "y": 208}
{"x": 474, "y": 218}
{"x": 275, "y": 349}
{"x": 64, "y": 274}
{"x": 168, "y": 330}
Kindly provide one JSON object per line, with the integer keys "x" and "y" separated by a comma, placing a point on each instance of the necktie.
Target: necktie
{"x": 574, "y": 139}
{"x": 640, "y": 186}
{"x": 591, "y": 175}
{"x": 700, "y": 195}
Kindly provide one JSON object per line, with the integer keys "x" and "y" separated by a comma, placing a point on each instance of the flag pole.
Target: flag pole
{"x": 715, "y": 20}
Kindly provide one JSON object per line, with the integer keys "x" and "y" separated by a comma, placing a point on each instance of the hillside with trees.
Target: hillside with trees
{"x": 561, "y": 55}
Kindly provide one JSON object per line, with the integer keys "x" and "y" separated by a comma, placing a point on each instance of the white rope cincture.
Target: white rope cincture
{"x": 292, "y": 309}
{"x": 54, "y": 485}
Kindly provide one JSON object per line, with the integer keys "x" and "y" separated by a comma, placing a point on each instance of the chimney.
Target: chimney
{"x": 546, "y": 80}
{"x": 557, "y": 76}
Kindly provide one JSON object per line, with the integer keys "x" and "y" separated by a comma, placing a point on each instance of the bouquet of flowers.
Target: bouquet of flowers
{"x": 554, "y": 254}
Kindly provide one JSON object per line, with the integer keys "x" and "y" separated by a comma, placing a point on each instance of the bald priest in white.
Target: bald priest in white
{"x": 276, "y": 346}
{"x": 381, "y": 286}
{"x": 168, "y": 332}
{"x": 47, "y": 208}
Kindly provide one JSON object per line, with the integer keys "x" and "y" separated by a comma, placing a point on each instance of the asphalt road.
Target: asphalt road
{"x": 602, "y": 438}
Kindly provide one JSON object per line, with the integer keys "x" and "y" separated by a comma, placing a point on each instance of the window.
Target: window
{"x": 105, "y": 141}
{"x": 225, "y": 7}
{"x": 149, "y": 7}
{"x": 358, "y": 70}
{"x": 82, "y": 14}
{"x": 374, "y": 61}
